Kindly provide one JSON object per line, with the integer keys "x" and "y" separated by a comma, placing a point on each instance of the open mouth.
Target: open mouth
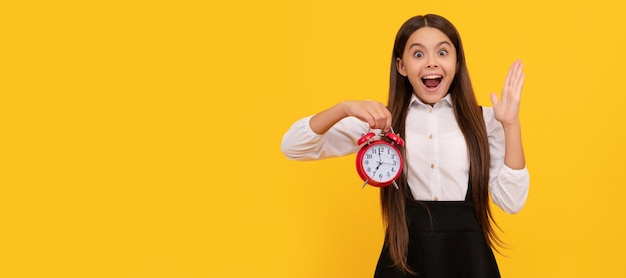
{"x": 432, "y": 81}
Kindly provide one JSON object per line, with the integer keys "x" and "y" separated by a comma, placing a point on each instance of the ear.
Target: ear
{"x": 400, "y": 67}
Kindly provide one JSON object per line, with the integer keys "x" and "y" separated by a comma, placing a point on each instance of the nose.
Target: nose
{"x": 431, "y": 62}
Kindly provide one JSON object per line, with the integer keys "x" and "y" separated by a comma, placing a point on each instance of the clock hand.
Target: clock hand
{"x": 381, "y": 163}
{"x": 376, "y": 170}
{"x": 365, "y": 183}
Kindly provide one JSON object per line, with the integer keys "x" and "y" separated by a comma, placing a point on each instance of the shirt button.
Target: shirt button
{"x": 430, "y": 110}
{"x": 430, "y": 136}
{"x": 432, "y": 166}
{"x": 436, "y": 198}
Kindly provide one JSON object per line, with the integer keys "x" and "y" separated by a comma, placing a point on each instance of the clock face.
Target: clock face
{"x": 380, "y": 163}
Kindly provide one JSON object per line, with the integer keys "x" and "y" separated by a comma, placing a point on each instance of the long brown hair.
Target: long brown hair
{"x": 469, "y": 117}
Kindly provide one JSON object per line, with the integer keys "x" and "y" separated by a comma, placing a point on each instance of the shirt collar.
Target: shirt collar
{"x": 446, "y": 99}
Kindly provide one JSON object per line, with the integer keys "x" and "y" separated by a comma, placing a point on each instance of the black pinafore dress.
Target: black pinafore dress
{"x": 447, "y": 242}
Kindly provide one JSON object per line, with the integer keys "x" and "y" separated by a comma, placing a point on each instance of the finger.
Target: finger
{"x": 366, "y": 113}
{"x": 388, "y": 122}
{"x": 518, "y": 82}
{"x": 507, "y": 81}
{"x": 515, "y": 69}
{"x": 520, "y": 85}
{"x": 494, "y": 99}
{"x": 385, "y": 121}
{"x": 510, "y": 74}
{"x": 368, "y": 118}
{"x": 381, "y": 117}
{"x": 511, "y": 79}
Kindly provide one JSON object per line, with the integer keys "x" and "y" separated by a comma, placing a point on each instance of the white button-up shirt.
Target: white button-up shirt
{"x": 436, "y": 162}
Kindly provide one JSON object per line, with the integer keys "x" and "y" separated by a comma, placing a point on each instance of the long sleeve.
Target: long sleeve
{"x": 437, "y": 162}
{"x": 301, "y": 143}
{"x": 508, "y": 187}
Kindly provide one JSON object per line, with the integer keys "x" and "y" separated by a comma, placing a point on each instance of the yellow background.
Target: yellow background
{"x": 141, "y": 138}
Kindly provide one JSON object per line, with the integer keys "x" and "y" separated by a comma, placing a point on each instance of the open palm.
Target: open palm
{"x": 506, "y": 109}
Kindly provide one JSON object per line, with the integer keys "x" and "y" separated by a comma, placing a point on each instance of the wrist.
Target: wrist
{"x": 343, "y": 109}
{"x": 511, "y": 125}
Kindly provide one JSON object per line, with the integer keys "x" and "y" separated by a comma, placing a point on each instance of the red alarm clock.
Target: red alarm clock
{"x": 379, "y": 163}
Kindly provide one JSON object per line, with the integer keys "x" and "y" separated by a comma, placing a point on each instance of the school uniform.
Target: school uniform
{"x": 445, "y": 240}
{"x": 437, "y": 171}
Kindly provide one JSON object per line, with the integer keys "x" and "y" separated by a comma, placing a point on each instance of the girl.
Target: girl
{"x": 457, "y": 154}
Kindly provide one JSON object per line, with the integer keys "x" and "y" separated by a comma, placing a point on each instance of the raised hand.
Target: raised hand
{"x": 506, "y": 109}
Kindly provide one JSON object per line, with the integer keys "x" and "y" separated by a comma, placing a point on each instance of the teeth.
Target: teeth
{"x": 431, "y": 76}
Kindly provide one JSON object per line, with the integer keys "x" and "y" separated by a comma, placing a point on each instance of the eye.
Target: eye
{"x": 443, "y": 52}
{"x": 418, "y": 54}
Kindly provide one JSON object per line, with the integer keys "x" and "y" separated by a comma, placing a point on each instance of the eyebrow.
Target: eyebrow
{"x": 437, "y": 45}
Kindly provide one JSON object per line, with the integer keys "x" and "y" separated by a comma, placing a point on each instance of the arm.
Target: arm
{"x": 506, "y": 112}
{"x": 334, "y": 131}
{"x": 513, "y": 150}
{"x": 509, "y": 178}
{"x": 508, "y": 187}
{"x": 371, "y": 112}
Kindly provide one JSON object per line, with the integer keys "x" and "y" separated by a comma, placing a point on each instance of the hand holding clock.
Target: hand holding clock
{"x": 377, "y": 116}
{"x": 374, "y": 113}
